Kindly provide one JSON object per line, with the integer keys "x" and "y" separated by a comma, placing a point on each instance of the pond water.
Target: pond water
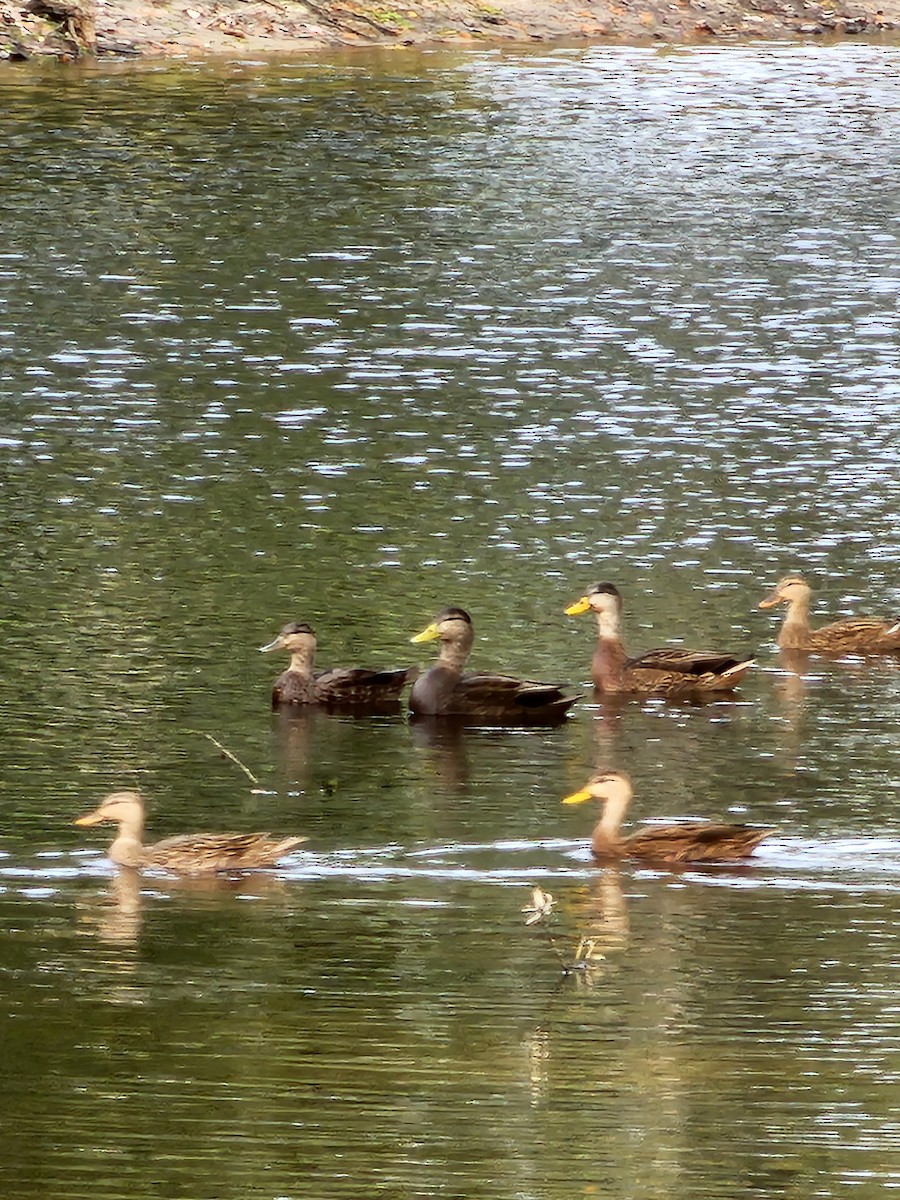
{"x": 349, "y": 340}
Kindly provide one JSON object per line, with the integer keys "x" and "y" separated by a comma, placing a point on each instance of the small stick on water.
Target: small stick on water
{"x": 233, "y": 757}
{"x": 554, "y": 946}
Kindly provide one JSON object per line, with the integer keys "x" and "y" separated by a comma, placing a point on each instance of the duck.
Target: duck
{"x": 186, "y": 854}
{"x": 670, "y": 671}
{"x": 684, "y": 842}
{"x": 349, "y": 686}
{"x": 854, "y": 635}
{"x": 445, "y": 691}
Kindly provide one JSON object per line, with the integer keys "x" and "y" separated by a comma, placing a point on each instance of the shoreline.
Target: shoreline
{"x": 68, "y": 30}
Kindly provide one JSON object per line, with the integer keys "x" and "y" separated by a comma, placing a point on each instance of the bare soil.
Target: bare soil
{"x": 68, "y": 29}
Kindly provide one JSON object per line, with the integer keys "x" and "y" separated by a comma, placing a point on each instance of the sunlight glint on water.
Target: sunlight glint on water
{"x": 350, "y": 340}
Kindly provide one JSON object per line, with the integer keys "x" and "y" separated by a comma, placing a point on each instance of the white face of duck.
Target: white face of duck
{"x": 452, "y": 625}
{"x": 605, "y": 601}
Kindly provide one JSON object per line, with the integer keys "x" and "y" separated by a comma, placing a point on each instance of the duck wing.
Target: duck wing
{"x": 200, "y": 853}
{"x": 695, "y": 841}
{"x": 358, "y": 685}
{"x": 491, "y": 695}
{"x": 686, "y": 662}
{"x": 862, "y": 634}
{"x": 678, "y": 673}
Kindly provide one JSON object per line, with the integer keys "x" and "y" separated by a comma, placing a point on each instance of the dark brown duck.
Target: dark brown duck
{"x": 444, "y": 690}
{"x": 348, "y": 686}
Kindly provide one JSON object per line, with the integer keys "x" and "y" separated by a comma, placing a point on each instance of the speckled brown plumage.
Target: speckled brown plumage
{"x": 185, "y": 854}
{"x": 684, "y": 842}
{"x": 351, "y": 687}
{"x": 669, "y": 671}
{"x": 853, "y": 635}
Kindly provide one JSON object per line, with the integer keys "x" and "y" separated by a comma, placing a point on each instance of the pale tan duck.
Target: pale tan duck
{"x": 683, "y": 842}
{"x": 669, "y": 671}
{"x": 853, "y": 635}
{"x": 445, "y": 691}
{"x": 187, "y": 854}
{"x": 350, "y": 686}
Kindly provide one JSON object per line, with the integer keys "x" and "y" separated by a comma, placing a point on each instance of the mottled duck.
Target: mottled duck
{"x": 669, "y": 671}
{"x": 853, "y": 635}
{"x": 684, "y": 842}
{"x": 187, "y": 854}
{"x": 349, "y": 686}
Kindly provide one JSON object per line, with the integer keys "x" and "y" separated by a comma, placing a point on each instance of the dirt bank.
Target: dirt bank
{"x": 245, "y": 28}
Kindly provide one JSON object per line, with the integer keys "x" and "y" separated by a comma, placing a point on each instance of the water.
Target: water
{"x": 348, "y": 341}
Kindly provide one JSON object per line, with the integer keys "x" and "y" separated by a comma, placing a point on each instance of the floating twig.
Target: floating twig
{"x": 233, "y": 757}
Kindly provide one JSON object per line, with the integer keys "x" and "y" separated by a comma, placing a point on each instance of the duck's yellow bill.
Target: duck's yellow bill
{"x": 431, "y": 634}
{"x": 93, "y": 818}
{"x": 770, "y": 601}
{"x": 578, "y": 797}
{"x": 580, "y": 606}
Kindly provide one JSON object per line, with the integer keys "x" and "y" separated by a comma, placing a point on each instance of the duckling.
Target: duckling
{"x": 349, "y": 686}
{"x": 443, "y": 690}
{"x": 669, "y": 671}
{"x": 854, "y": 635}
{"x": 187, "y": 854}
{"x": 687, "y": 842}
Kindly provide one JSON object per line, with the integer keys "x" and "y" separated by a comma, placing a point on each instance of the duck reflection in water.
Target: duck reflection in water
{"x": 601, "y": 919}
{"x": 116, "y": 916}
{"x": 445, "y": 740}
{"x": 599, "y": 914}
{"x": 791, "y": 691}
{"x": 296, "y": 729}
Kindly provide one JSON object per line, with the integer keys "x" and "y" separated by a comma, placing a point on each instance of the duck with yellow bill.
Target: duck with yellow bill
{"x": 445, "y": 690}
{"x": 681, "y": 842}
{"x": 670, "y": 671}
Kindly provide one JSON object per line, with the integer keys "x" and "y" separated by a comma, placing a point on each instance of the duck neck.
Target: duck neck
{"x": 795, "y": 630}
{"x": 302, "y": 661}
{"x": 126, "y": 849}
{"x": 608, "y": 625}
{"x": 609, "y": 656}
{"x": 454, "y": 653}
{"x": 606, "y": 838}
{"x": 613, "y": 814}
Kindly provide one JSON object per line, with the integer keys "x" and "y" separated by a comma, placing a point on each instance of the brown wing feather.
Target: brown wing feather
{"x": 674, "y": 672}
{"x": 358, "y": 685}
{"x": 695, "y": 842}
{"x": 485, "y": 694}
{"x": 858, "y": 633}
{"x": 196, "y": 853}
{"x": 688, "y": 662}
